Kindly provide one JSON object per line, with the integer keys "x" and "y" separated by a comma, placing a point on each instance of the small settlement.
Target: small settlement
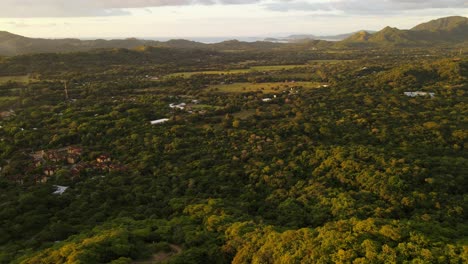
{"x": 70, "y": 161}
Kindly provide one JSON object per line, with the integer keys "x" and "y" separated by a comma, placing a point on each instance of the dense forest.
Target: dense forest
{"x": 261, "y": 156}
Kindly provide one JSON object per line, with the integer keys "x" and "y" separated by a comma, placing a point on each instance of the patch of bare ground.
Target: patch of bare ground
{"x": 161, "y": 256}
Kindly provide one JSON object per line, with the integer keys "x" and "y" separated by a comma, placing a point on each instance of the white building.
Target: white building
{"x": 60, "y": 189}
{"x": 159, "y": 121}
{"x": 419, "y": 93}
{"x": 180, "y": 106}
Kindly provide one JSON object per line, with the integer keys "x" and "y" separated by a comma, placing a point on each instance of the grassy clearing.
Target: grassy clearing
{"x": 6, "y": 99}
{"x": 277, "y": 67}
{"x": 328, "y": 61}
{"x": 239, "y": 71}
{"x": 19, "y": 79}
{"x": 190, "y": 74}
{"x": 244, "y": 114}
{"x": 266, "y": 88}
{"x": 204, "y": 107}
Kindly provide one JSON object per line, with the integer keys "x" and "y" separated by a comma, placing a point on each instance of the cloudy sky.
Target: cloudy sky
{"x": 214, "y": 18}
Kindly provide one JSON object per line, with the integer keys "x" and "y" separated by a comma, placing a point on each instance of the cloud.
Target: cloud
{"x": 93, "y": 8}
{"x": 90, "y": 8}
{"x": 364, "y": 7}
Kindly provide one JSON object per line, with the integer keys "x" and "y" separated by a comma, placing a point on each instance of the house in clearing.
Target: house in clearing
{"x": 55, "y": 156}
{"x": 60, "y": 189}
{"x": 41, "y": 179}
{"x": 103, "y": 158}
{"x": 159, "y": 121}
{"x": 74, "y": 150}
{"x": 419, "y": 93}
{"x": 72, "y": 158}
{"x": 38, "y": 162}
{"x": 180, "y": 106}
{"x": 38, "y": 154}
{"x": 49, "y": 171}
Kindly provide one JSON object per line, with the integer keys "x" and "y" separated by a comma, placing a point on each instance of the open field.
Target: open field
{"x": 239, "y": 71}
{"x": 5, "y": 99}
{"x": 328, "y": 61}
{"x": 20, "y": 79}
{"x": 244, "y": 114}
{"x": 261, "y": 87}
{"x": 204, "y": 107}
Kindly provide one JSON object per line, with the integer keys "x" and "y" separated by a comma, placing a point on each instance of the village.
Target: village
{"x": 65, "y": 164}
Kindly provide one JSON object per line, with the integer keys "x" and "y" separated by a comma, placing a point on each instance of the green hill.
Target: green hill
{"x": 12, "y": 45}
{"x": 444, "y": 31}
{"x": 454, "y": 23}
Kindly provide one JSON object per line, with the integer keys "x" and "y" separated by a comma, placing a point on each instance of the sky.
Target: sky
{"x": 215, "y": 18}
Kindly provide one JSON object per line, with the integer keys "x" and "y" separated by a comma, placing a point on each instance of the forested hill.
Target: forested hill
{"x": 444, "y": 31}
{"x": 11, "y": 44}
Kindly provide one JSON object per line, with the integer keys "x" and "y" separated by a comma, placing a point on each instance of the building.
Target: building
{"x": 54, "y": 156}
{"x": 49, "y": 171}
{"x": 103, "y": 158}
{"x": 159, "y": 121}
{"x": 60, "y": 189}
{"x": 180, "y": 106}
{"x": 74, "y": 150}
{"x": 72, "y": 158}
{"x": 419, "y": 93}
{"x": 41, "y": 179}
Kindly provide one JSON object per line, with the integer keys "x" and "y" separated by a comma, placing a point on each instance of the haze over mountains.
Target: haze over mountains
{"x": 443, "y": 31}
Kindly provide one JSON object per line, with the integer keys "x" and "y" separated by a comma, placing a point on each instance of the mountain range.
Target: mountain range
{"x": 448, "y": 30}
{"x": 443, "y": 31}
{"x": 307, "y": 37}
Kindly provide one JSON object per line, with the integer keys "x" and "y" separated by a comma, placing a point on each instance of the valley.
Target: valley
{"x": 275, "y": 153}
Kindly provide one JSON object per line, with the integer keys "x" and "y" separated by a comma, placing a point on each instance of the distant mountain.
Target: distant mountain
{"x": 443, "y": 31}
{"x": 182, "y": 44}
{"x": 302, "y": 37}
{"x": 448, "y": 30}
{"x": 235, "y": 45}
{"x": 455, "y": 23}
{"x": 360, "y": 36}
{"x": 11, "y": 44}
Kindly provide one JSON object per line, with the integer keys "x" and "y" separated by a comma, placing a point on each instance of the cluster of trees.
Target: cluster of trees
{"x": 355, "y": 172}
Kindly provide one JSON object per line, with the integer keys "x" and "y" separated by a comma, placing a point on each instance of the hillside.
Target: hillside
{"x": 444, "y": 31}
{"x": 454, "y": 23}
{"x": 11, "y": 45}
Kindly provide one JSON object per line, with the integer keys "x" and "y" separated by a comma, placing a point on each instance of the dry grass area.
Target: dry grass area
{"x": 266, "y": 88}
{"x": 19, "y": 79}
{"x": 239, "y": 71}
{"x": 161, "y": 256}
